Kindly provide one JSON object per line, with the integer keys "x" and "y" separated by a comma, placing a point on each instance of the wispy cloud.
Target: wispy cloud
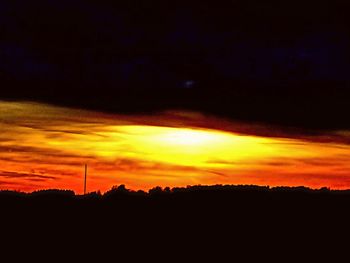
{"x": 8, "y": 174}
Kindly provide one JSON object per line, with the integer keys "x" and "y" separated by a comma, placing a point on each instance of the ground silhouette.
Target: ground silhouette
{"x": 252, "y": 221}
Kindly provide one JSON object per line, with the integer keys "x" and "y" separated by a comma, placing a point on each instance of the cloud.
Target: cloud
{"x": 9, "y": 174}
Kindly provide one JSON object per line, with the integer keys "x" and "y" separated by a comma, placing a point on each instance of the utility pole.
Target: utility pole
{"x": 85, "y": 179}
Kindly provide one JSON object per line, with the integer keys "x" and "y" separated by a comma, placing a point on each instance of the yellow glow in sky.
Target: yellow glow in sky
{"x": 189, "y": 146}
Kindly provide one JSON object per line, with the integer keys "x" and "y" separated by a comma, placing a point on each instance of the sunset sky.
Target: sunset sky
{"x": 174, "y": 93}
{"x": 44, "y": 146}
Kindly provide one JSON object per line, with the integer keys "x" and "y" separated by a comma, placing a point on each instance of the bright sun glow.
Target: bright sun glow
{"x": 185, "y": 146}
{"x": 186, "y": 137}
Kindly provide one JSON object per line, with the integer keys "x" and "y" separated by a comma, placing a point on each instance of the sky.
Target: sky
{"x": 46, "y": 147}
{"x": 283, "y": 63}
{"x": 80, "y": 71}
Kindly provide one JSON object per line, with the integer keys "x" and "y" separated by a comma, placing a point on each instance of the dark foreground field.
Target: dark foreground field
{"x": 252, "y": 220}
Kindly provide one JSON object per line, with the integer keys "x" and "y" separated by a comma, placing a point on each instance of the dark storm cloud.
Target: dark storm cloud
{"x": 284, "y": 63}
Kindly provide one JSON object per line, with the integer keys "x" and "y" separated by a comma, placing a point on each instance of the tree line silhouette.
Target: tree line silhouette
{"x": 227, "y": 199}
{"x": 250, "y": 220}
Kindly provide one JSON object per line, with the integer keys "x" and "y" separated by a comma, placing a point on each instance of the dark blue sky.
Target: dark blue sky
{"x": 59, "y": 49}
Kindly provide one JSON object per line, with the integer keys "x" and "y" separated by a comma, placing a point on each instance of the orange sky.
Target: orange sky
{"x": 45, "y": 146}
